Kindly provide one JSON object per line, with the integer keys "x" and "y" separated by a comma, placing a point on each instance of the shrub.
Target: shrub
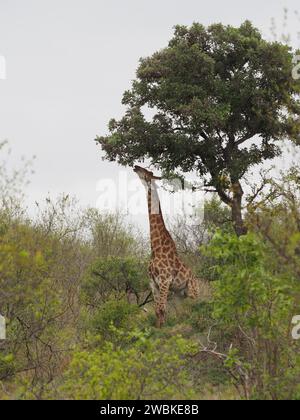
{"x": 147, "y": 368}
{"x": 255, "y": 303}
{"x": 114, "y": 277}
{"x": 120, "y": 314}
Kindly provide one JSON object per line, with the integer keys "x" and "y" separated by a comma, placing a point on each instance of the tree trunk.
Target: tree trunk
{"x": 236, "y": 207}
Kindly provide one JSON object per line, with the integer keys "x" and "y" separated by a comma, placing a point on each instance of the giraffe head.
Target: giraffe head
{"x": 147, "y": 177}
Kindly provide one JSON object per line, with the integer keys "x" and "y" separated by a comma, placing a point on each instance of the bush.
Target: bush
{"x": 120, "y": 314}
{"x": 7, "y": 366}
{"x": 115, "y": 277}
{"x": 255, "y": 303}
{"x": 147, "y": 368}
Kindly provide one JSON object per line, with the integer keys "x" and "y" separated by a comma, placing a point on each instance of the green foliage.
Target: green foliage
{"x": 7, "y": 365}
{"x": 112, "y": 236}
{"x": 190, "y": 234}
{"x": 221, "y": 96}
{"x": 148, "y": 368}
{"x": 114, "y": 276}
{"x": 246, "y": 285}
{"x": 74, "y": 287}
{"x": 201, "y": 316}
{"x": 275, "y": 216}
{"x": 33, "y": 303}
{"x": 120, "y": 314}
{"x": 288, "y": 385}
{"x": 256, "y": 303}
{"x": 217, "y": 216}
{"x": 207, "y": 81}
{"x": 38, "y": 275}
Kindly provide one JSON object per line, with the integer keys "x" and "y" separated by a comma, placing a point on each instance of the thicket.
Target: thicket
{"x": 80, "y": 321}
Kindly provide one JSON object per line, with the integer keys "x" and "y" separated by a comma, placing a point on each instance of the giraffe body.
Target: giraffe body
{"x": 167, "y": 271}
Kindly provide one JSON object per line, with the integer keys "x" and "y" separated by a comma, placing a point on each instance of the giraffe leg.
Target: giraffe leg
{"x": 156, "y": 296}
{"x": 161, "y": 305}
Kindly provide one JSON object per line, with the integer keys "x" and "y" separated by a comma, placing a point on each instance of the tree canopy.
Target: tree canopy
{"x": 216, "y": 100}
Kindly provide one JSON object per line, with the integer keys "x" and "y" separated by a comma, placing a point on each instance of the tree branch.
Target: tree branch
{"x": 242, "y": 140}
{"x": 224, "y": 197}
{"x": 147, "y": 300}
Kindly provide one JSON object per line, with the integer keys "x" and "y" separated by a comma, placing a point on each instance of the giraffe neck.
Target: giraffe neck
{"x": 160, "y": 237}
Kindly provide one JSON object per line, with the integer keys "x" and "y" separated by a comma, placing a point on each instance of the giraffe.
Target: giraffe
{"x": 167, "y": 271}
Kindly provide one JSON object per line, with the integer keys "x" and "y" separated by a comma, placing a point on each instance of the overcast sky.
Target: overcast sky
{"x": 68, "y": 63}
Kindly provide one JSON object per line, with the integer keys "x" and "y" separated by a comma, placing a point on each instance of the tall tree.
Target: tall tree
{"x": 220, "y": 98}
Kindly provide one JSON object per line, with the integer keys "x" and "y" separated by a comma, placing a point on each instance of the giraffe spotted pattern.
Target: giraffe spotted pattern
{"x": 167, "y": 271}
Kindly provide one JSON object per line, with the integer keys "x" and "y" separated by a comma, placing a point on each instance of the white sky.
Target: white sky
{"x": 68, "y": 63}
